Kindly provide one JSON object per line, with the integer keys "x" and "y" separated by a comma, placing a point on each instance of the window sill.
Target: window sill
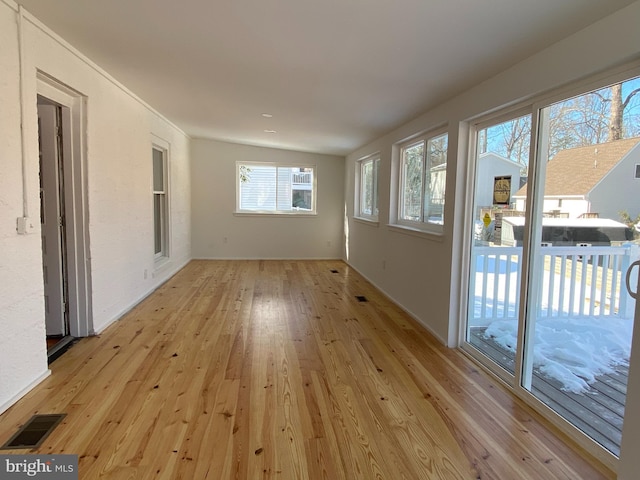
{"x": 159, "y": 263}
{"x": 272, "y": 214}
{"x": 367, "y": 221}
{"x": 416, "y": 232}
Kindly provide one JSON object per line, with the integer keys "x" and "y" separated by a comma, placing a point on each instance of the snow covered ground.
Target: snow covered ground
{"x": 572, "y": 349}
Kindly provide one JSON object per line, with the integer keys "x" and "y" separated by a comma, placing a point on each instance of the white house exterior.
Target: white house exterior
{"x": 490, "y": 166}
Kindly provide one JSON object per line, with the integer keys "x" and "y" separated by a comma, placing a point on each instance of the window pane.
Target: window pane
{"x": 302, "y": 199}
{"x": 376, "y": 169}
{"x": 285, "y": 181}
{"x": 580, "y": 318}
{"x": 366, "y": 188}
{"x": 160, "y": 220}
{"x": 436, "y": 172}
{"x": 157, "y": 223}
{"x": 299, "y": 185}
{"x": 258, "y": 188}
{"x": 412, "y": 160}
{"x": 496, "y": 254}
{"x": 158, "y": 170}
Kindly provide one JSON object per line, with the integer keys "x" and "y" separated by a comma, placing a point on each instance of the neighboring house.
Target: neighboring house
{"x": 490, "y": 166}
{"x": 598, "y": 180}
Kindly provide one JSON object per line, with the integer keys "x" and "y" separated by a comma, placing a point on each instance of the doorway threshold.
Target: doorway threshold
{"x": 59, "y": 348}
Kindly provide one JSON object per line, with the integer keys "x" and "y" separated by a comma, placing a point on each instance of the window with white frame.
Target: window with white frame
{"x": 160, "y": 202}
{"x": 367, "y": 188}
{"x": 423, "y": 174}
{"x": 276, "y": 189}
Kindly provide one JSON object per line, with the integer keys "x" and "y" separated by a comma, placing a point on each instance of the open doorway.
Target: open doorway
{"x": 53, "y": 219}
{"x": 63, "y": 214}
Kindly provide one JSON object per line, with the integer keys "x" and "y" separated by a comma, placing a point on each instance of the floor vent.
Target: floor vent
{"x": 33, "y": 433}
{"x": 361, "y": 298}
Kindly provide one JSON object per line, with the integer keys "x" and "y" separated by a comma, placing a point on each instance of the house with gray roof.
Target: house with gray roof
{"x": 593, "y": 181}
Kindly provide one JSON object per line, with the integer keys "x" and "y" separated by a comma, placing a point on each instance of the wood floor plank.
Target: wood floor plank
{"x": 274, "y": 370}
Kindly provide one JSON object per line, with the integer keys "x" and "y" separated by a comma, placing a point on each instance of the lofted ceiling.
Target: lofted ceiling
{"x": 334, "y": 74}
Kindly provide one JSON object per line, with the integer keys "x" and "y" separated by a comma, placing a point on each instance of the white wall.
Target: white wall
{"x": 219, "y": 233}
{"x": 423, "y": 272}
{"x": 574, "y": 207}
{"x": 23, "y": 358}
{"x": 119, "y": 132}
{"x": 619, "y": 190}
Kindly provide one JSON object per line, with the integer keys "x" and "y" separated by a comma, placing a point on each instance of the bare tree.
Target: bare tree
{"x": 603, "y": 115}
{"x": 618, "y": 106}
{"x": 615, "y": 117}
{"x": 517, "y": 137}
{"x": 509, "y": 139}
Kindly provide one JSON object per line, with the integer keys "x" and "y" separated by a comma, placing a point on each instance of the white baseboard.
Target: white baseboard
{"x": 9, "y": 403}
{"x": 402, "y": 307}
{"x": 291, "y": 259}
{"x": 132, "y": 305}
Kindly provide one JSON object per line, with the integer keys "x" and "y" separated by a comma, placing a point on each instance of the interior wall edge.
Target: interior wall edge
{"x": 415, "y": 317}
{"x": 90, "y": 63}
{"x": 166, "y": 276}
{"x": 15, "y": 398}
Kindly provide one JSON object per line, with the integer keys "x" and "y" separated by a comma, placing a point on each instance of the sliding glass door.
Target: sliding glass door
{"x": 501, "y": 164}
{"x": 584, "y": 237}
{"x": 554, "y": 232}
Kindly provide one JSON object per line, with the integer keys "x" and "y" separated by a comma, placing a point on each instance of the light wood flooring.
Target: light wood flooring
{"x": 274, "y": 370}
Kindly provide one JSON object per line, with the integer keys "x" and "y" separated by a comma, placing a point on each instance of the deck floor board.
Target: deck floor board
{"x": 599, "y": 412}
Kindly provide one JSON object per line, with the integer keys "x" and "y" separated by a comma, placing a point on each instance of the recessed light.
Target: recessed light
{"x": 267, "y": 115}
{"x": 270, "y": 131}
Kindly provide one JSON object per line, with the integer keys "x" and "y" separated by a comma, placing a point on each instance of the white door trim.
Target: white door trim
{"x": 76, "y": 201}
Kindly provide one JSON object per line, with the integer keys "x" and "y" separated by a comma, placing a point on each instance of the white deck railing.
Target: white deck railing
{"x": 576, "y": 282}
{"x": 301, "y": 178}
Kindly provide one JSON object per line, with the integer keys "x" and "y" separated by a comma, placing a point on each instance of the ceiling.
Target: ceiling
{"x": 334, "y": 74}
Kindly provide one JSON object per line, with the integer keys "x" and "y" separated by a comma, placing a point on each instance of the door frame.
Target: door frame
{"x": 474, "y": 126}
{"x": 75, "y": 200}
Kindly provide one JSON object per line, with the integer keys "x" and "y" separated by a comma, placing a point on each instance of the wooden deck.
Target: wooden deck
{"x": 275, "y": 370}
{"x": 598, "y": 413}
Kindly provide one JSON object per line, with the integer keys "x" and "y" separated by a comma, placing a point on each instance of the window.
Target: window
{"x": 367, "y": 188}
{"x": 423, "y": 170}
{"x": 160, "y": 203}
{"x": 276, "y": 189}
{"x": 637, "y": 170}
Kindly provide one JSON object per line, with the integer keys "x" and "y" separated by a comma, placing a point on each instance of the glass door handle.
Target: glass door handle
{"x": 634, "y": 295}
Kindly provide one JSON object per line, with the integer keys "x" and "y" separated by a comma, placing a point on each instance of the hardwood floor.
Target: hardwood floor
{"x": 273, "y": 369}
